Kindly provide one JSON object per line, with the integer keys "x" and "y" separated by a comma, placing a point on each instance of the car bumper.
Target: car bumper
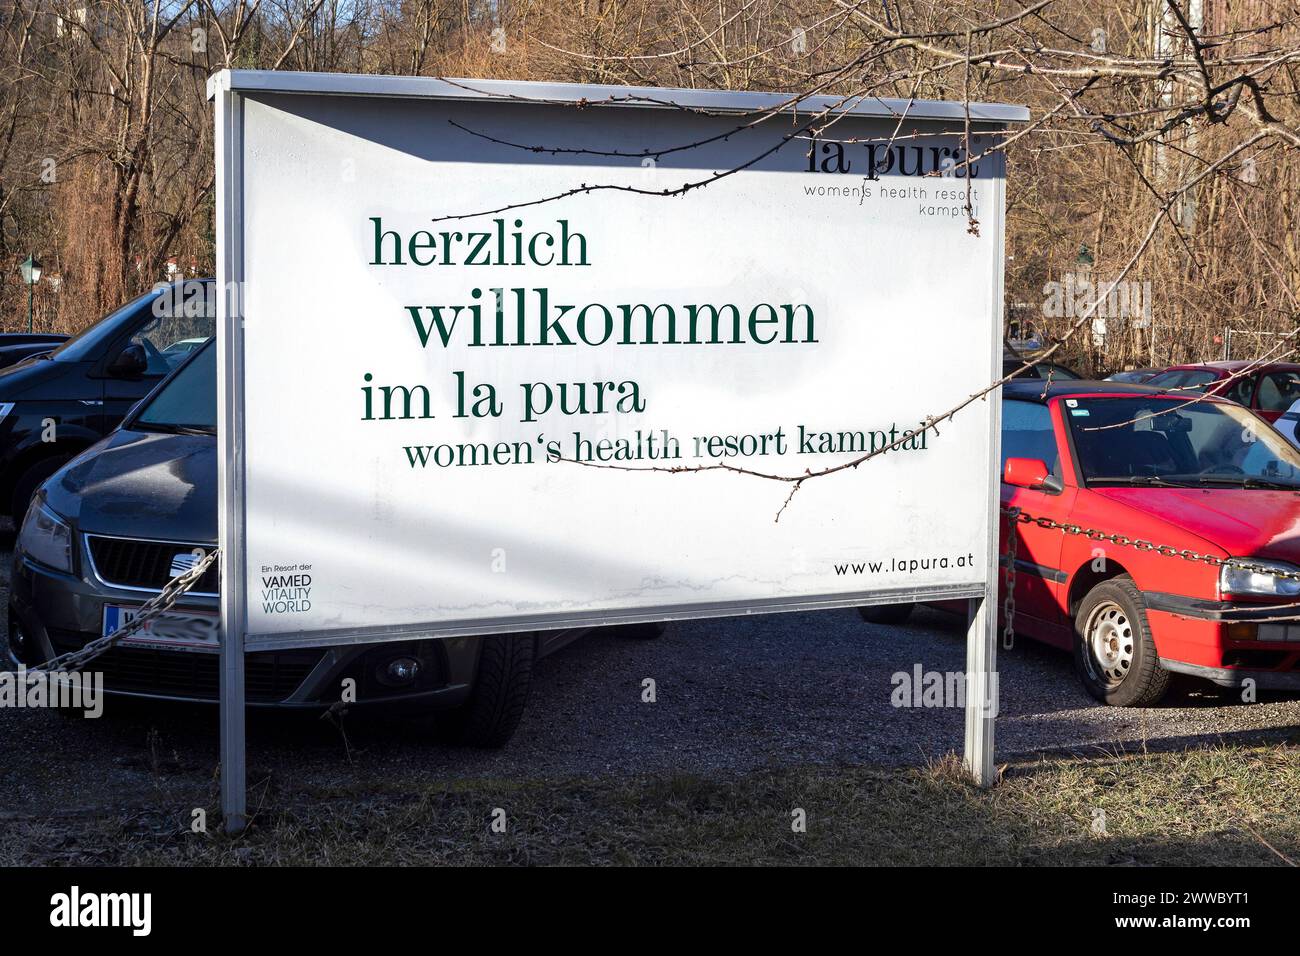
{"x": 1226, "y": 642}
{"x": 56, "y": 613}
{"x": 1236, "y": 676}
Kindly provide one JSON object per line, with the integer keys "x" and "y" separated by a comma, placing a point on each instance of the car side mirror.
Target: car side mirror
{"x": 131, "y": 362}
{"x": 1031, "y": 473}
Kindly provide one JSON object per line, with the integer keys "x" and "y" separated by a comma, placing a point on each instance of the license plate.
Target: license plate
{"x": 192, "y": 630}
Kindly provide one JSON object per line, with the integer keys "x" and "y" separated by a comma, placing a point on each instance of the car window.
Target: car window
{"x": 85, "y": 346}
{"x": 1241, "y": 390}
{"x": 188, "y": 400}
{"x": 1278, "y": 391}
{"x": 184, "y": 315}
{"x": 1027, "y": 433}
{"x": 1011, "y": 365}
{"x": 1143, "y": 440}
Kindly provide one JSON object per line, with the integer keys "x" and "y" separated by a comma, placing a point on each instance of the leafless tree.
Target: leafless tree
{"x": 1184, "y": 114}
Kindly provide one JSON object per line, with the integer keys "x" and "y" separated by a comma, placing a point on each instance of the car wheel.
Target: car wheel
{"x": 496, "y": 704}
{"x": 1113, "y": 650}
{"x": 21, "y": 646}
{"x": 26, "y": 486}
{"x": 886, "y": 613}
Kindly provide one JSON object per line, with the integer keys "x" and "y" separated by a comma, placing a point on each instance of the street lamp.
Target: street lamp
{"x": 31, "y": 275}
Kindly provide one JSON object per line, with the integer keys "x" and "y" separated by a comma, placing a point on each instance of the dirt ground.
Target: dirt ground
{"x": 738, "y": 699}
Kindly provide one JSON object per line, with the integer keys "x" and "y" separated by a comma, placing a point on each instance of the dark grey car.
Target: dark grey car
{"x": 111, "y": 527}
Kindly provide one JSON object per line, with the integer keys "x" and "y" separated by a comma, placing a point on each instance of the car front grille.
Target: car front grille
{"x": 269, "y": 677}
{"x": 133, "y": 563}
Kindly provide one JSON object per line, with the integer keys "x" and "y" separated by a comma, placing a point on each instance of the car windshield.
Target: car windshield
{"x": 186, "y": 402}
{"x": 1163, "y": 441}
{"x": 1184, "y": 380}
{"x": 1056, "y": 372}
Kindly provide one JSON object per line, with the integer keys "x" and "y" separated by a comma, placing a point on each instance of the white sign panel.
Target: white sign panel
{"x": 492, "y": 378}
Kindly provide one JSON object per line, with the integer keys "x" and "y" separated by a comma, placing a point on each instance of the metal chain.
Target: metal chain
{"x": 1141, "y": 544}
{"x": 1019, "y": 516}
{"x": 173, "y": 589}
{"x": 157, "y": 605}
{"x": 1009, "y": 603}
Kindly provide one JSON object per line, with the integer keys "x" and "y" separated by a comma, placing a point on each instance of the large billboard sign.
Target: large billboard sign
{"x": 461, "y": 404}
{"x": 505, "y": 356}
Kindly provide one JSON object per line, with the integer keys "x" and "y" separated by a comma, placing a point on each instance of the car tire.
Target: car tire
{"x": 1114, "y": 653}
{"x": 27, "y": 484}
{"x": 886, "y": 613}
{"x": 500, "y": 693}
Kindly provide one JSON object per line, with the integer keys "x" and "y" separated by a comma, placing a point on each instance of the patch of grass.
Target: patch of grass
{"x": 1229, "y": 805}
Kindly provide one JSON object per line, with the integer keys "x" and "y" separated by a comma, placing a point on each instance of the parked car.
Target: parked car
{"x": 16, "y": 346}
{"x": 58, "y": 404}
{"x": 1288, "y": 424}
{"x": 1038, "y": 370}
{"x": 1269, "y": 388}
{"x": 1134, "y": 376}
{"x": 111, "y": 527}
{"x": 1130, "y": 460}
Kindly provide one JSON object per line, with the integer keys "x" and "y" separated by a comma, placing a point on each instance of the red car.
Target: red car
{"x": 1269, "y": 388}
{"x": 1202, "y": 480}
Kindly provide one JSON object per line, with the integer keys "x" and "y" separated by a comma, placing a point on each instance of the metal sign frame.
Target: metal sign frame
{"x": 230, "y": 88}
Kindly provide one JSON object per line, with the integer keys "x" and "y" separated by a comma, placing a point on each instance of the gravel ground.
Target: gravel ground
{"x": 732, "y": 695}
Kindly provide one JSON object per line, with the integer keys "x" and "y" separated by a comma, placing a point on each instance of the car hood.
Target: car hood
{"x": 26, "y": 375}
{"x": 1255, "y": 522}
{"x": 142, "y": 485}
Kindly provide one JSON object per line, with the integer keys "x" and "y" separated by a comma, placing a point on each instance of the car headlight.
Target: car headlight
{"x": 46, "y": 538}
{"x": 1259, "y": 579}
{"x": 5, "y": 409}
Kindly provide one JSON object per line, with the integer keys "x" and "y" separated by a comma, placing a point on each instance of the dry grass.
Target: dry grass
{"x": 1224, "y": 806}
